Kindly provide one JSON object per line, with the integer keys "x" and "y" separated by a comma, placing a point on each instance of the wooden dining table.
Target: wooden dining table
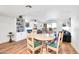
{"x": 43, "y": 38}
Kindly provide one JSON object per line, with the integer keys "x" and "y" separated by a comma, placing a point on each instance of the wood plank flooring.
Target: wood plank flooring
{"x": 68, "y": 49}
{"x": 14, "y": 47}
{"x": 20, "y": 47}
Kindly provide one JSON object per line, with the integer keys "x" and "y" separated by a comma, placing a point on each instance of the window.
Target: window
{"x": 54, "y": 25}
{"x": 49, "y": 25}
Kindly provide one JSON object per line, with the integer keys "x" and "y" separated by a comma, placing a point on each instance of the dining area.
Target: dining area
{"x": 44, "y": 43}
{"x": 45, "y": 37}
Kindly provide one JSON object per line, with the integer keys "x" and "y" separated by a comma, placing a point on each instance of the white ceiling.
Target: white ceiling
{"x": 41, "y": 12}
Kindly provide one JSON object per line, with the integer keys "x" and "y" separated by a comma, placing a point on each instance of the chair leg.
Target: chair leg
{"x": 41, "y": 50}
{"x": 57, "y": 51}
{"x": 47, "y": 50}
{"x": 33, "y": 52}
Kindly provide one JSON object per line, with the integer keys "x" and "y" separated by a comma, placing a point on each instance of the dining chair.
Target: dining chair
{"x": 55, "y": 45}
{"x": 33, "y": 45}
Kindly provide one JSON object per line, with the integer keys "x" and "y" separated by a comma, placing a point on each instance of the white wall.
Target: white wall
{"x": 7, "y": 24}
{"x": 75, "y": 33}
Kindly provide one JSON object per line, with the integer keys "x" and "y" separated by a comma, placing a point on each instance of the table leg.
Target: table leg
{"x": 44, "y": 47}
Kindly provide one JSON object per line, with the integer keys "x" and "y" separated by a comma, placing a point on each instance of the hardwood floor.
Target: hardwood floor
{"x": 14, "y": 47}
{"x": 68, "y": 49}
{"x": 21, "y": 48}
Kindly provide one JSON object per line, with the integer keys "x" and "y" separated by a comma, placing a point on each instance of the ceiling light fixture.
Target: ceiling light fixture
{"x": 28, "y": 6}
